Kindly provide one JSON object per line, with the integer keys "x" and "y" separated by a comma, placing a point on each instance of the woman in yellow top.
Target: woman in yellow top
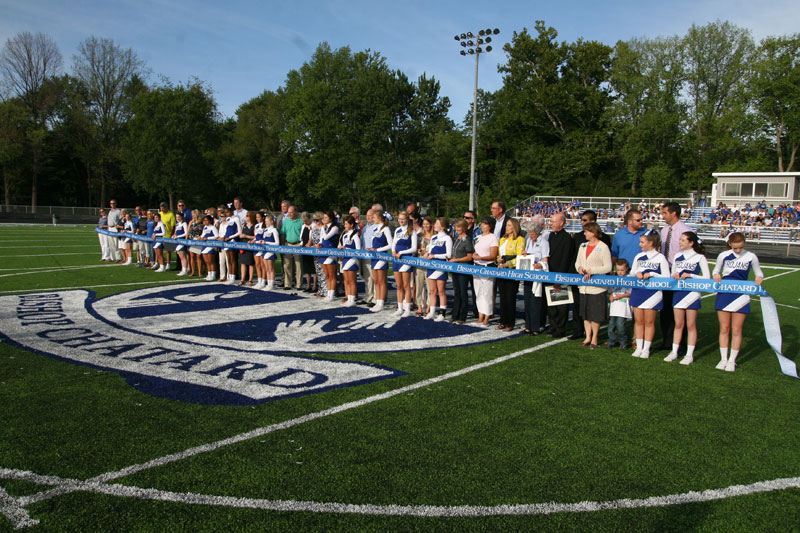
{"x": 512, "y": 244}
{"x": 594, "y": 257}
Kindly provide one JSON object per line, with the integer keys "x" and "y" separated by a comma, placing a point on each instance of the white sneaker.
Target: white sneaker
{"x": 439, "y": 318}
{"x": 637, "y": 352}
{"x": 377, "y": 308}
{"x": 259, "y": 285}
{"x": 721, "y": 365}
{"x": 128, "y": 262}
{"x": 428, "y": 316}
{"x": 644, "y": 354}
{"x": 230, "y": 281}
{"x": 671, "y": 357}
{"x": 162, "y": 268}
{"x": 209, "y": 278}
{"x": 399, "y": 311}
{"x": 406, "y": 312}
{"x": 182, "y": 273}
{"x": 687, "y": 360}
{"x": 730, "y": 366}
{"x": 349, "y": 303}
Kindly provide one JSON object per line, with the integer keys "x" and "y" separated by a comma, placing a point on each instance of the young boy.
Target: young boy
{"x": 620, "y": 310}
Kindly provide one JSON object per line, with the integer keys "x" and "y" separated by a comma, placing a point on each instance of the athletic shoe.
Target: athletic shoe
{"x": 688, "y": 360}
{"x": 439, "y": 318}
{"x": 644, "y": 354}
{"x": 722, "y": 364}
{"x": 671, "y": 357}
{"x": 637, "y": 352}
{"x": 182, "y": 273}
{"x": 730, "y": 366}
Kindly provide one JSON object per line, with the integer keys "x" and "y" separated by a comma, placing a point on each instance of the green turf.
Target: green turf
{"x": 563, "y": 424}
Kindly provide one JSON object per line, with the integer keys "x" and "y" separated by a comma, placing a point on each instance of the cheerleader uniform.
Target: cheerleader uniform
{"x": 259, "y": 234}
{"x": 351, "y": 241}
{"x": 232, "y": 228}
{"x": 209, "y": 232}
{"x": 652, "y": 261}
{"x": 330, "y": 239}
{"x": 441, "y": 248}
{"x": 736, "y": 267}
{"x": 180, "y": 233}
{"x": 128, "y": 228}
{"x": 697, "y": 266}
{"x": 159, "y": 231}
{"x": 382, "y": 242}
{"x": 270, "y": 237}
{"x": 403, "y": 244}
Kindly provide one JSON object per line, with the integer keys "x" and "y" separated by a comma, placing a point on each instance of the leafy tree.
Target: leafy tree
{"x": 647, "y": 78}
{"x": 775, "y": 88}
{"x": 27, "y": 65}
{"x": 111, "y": 78}
{"x": 15, "y": 122}
{"x": 167, "y": 147}
{"x": 716, "y": 58}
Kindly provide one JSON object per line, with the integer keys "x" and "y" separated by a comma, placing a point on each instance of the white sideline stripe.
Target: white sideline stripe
{"x": 55, "y": 270}
{"x": 286, "y": 424}
{"x": 427, "y": 511}
{"x": 14, "y": 511}
{"x": 108, "y": 285}
{"x": 34, "y": 268}
{"x": 94, "y": 245}
{"x": 49, "y": 255}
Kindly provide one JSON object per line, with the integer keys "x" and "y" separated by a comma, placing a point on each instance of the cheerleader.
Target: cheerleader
{"x": 127, "y": 227}
{"x": 381, "y": 242}
{"x": 735, "y": 264}
{"x": 209, "y": 253}
{"x": 258, "y": 257}
{"x": 647, "y": 302}
{"x": 403, "y": 243}
{"x": 181, "y": 231}
{"x": 273, "y": 238}
{"x": 351, "y": 241}
{"x": 330, "y": 239}
{"x": 689, "y": 263}
{"x": 159, "y": 229}
{"x": 229, "y": 231}
{"x": 441, "y": 248}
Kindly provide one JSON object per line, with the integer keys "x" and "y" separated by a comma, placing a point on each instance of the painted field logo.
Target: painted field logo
{"x": 217, "y": 344}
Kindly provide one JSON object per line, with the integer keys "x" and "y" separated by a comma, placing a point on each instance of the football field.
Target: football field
{"x": 135, "y": 400}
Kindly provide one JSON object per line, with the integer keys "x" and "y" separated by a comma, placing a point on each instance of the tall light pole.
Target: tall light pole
{"x": 472, "y": 44}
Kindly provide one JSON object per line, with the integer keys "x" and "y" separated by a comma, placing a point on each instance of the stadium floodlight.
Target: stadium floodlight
{"x": 474, "y": 44}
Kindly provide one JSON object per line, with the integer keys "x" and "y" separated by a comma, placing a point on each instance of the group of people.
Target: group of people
{"x": 497, "y": 240}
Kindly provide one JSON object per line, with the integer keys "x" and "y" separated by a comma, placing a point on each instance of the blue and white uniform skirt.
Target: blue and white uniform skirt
{"x": 733, "y": 303}
{"x": 437, "y": 274}
{"x": 127, "y": 240}
{"x": 350, "y": 264}
{"x": 208, "y": 250}
{"x": 647, "y": 299}
{"x": 401, "y": 267}
{"x": 686, "y": 300}
{"x": 328, "y": 260}
{"x": 158, "y": 245}
{"x": 380, "y": 264}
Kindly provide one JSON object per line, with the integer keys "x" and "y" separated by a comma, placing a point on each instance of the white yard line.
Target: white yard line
{"x": 197, "y": 450}
{"x": 95, "y": 245}
{"x": 48, "y": 255}
{"x": 156, "y": 282}
{"x": 19, "y": 516}
{"x": 61, "y": 269}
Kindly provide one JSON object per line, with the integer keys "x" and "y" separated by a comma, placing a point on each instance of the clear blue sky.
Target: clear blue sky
{"x": 242, "y": 48}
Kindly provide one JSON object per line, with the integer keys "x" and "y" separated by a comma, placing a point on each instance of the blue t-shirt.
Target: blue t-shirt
{"x": 626, "y": 244}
